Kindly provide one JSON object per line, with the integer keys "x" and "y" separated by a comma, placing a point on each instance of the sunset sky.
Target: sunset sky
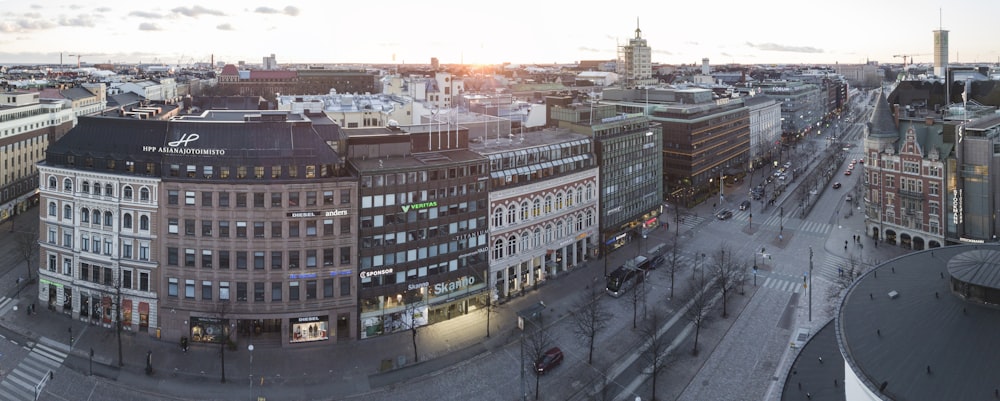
{"x": 516, "y": 31}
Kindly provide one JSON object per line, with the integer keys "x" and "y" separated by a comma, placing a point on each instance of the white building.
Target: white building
{"x": 352, "y": 110}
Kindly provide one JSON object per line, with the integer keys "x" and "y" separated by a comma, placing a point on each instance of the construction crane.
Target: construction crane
{"x": 78, "y": 58}
{"x": 905, "y": 56}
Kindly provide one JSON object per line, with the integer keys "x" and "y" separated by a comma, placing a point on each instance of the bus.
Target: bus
{"x": 627, "y": 275}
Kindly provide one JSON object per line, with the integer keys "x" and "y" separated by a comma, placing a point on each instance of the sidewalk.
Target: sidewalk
{"x": 304, "y": 372}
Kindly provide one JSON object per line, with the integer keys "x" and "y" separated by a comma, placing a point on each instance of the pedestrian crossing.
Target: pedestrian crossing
{"x": 32, "y": 373}
{"x": 5, "y": 303}
{"x": 780, "y": 283}
{"x": 690, "y": 221}
{"x": 776, "y": 221}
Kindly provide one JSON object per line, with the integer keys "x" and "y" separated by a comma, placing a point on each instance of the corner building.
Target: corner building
{"x": 423, "y": 228}
{"x": 243, "y": 221}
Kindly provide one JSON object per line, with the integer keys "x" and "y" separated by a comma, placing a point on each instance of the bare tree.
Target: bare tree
{"x": 654, "y": 353}
{"x": 414, "y": 317}
{"x": 590, "y": 318}
{"x": 673, "y": 263}
{"x": 536, "y": 341}
{"x": 845, "y": 277}
{"x": 221, "y": 310}
{"x": 27, "y": 245}
{"x": 727, "y": 273}
{"x": 638, "y": 296}
{"x": 699, "y": 305}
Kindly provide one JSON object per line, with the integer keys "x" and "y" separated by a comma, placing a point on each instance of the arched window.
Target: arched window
{"x": 512, "y": 214}
{"x": 548, "y": 234}
{"x": 559, "y": 201}
{"x": 144, "y": 223}
{"x": 498, "y": 217}
{"x": 590, "y": 192}
{"x": 127, "y": 220}
{"x": 97, "y": 216}
{"x": 524, "y": 210}
{"x": 144, "y": 194}
{"x": 548, "y": 204}
{"x": 67, "y": 185}
{"x": 52, "y": 209}
{"x": 127, "y": 193}
{"x": 524, "y": 241}
{"x": 559, "y": 230}
{"x": 536, "y": 240}
{"x": 109, "y": 190}
{"x": 67, "y": 212}
{"x": 97, "y": 188}
{"x": 107, "y": 218}
{"x": 569, "y": 198}
{"x": 536, "y": 208}
{"x": 52, "y": 182}
{"x": 590, "y": 218}
{"x": 512, "y": 245}
{"x": 85, "y": 187}
{"x": 498, "y": 249}
{"x": 579, "y": 195}
{"x": 579, "y": 222}
{"x": 85, "y": 215}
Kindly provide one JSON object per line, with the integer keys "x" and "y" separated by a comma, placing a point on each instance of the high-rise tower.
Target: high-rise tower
{"x": 940, "y": 50}
{"x": 635, "y": 61}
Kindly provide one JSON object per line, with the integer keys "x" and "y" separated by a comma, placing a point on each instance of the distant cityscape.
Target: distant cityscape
{"x": 337, "y": 203}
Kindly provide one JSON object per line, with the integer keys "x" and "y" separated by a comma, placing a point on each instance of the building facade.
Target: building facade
{"x": 543, "y": 207}
{"x": 636, "y": 61}
{"x": 765, "y": 130}
{"x": 424, "y": 205}
{"x": 28, "y": 125}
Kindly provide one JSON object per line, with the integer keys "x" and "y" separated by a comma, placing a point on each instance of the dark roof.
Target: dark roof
{"x": 894, "y": 340}
{"x": 123, "y": 99}
{"x": 228, "y": 102}
{"x": 808, "y": 376}
{"x": 882, "y": 123}
{"x": 978, "y": 267}
{"x": 77, "y": 93}
{"x": 99, "y": 137}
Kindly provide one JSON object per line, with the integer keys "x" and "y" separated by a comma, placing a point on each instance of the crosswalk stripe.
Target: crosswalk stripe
{"x": 50, "y": 353}
{"x": 15, "y": 392}
{"x": 4, "y": 301}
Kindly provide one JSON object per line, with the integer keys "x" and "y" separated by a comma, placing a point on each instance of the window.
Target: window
{"x": 258, "y": 229}
{"x": 144, "y": 194}
{"x": 276, "y": 199}
{"x": 241, "y": 260}
{"x": 328, "y": 288}
{"x": 258, "y": 292}
{"x": 345, "y": 225}
{"x": 189, "y": 289}
{"x": 276, "y": 291}
{"x": 293, "y": 198}
{"x": 52, "y": 209}
{"x": 189, "y": 197}
{"x": 241, "y": 199}
{"x": 67, "y": 185}
{"x": 206, "y": 290}
{"x": 328, "y": 198}
{"x": 206, "y": 228}
{"x": 345, "y": 196}
{"x": 188, "y": 257}
{"x": 293, "y": 229}
{"x": 345, "y": 255}
{"x": 311, "y": 258}
{"x": 144, "y": 282}
{"x": 294, "y": 259}
{"x": 258, "y": 172}
{"x": 127, "y": 279}
{"x": 206, "y": 199}
{"x": 67, "y": 212}
{"x": 223, "y": 199}
{"x": 224, "y": 173}
{"x": 189, "y": 226}
{"x": 310, "y": 289}
{"x": 52, "y": 182}
{"x": 310, "y": 198}
{"x": 498, "y": 249}
{"x": 85, "y": 215}
{"x": 276, "y": 259}
{"x": 172, "y": 286}
{"x": 241, "y": 229}
{"x": 258, "y": 199}
{"x": 68, "y": 239}
{"x": 206, "y": 258}
{"x": 224, "y": 229}
{"x": 127, "y": 220}
{"x": 328, "y": 257}
{"x": 127, "y": 251}
{"x": 109, "y": 190}
{"x": 107, "y": 219}
{"x": 172, "y": 256}
{"x": 224, "y": 290}
{"x": 536, "y": 208}
{"x": 172, "y": 226}
{"x": 327, "y": 227}
{"x": 143, "y": 251}
{"x": 345, "y": 286}
{"x": 241, "y": 291}
{"x": 172, "y": 197}
{"x": 241, "y": 172}
{"x": 127, "y": 193}
{"x": 311, "y": 228}
{"x": 144, "y": 223}
{"x": 258, "y": 260}
{"x": 276, "y": 229}
{"x": 293, "y": 291}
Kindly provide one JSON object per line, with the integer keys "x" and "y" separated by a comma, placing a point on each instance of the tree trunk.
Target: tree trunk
{"x": 414, "y": 331}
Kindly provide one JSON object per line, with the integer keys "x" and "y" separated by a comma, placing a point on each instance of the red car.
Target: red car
{"x": 550, "y": 359}
{"x": 848, "y": 172}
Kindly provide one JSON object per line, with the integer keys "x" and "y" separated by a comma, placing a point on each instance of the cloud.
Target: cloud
{"x": 145, "y": 14}
{"x": 149, "y": 26}
{"x": 103, "y": 9}
{"x": 589, "y": 49}
{"x": 290, "y": 10}
{"x": 663, "y": 52}
{"x": 783, "y": 48}
{"x": 80, "y": 20}
{"x": 24, "y": 25}
{"x": 225, "y": 27}
{"x": 196, "y": 11}
{"x": 36, "y": 6}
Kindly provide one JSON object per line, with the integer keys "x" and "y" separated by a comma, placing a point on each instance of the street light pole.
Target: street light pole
{"x": 250, "y": 349}
{"x": 810, "y": 284}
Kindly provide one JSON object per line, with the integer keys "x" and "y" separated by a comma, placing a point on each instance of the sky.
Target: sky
{"x": 514, "y": 31}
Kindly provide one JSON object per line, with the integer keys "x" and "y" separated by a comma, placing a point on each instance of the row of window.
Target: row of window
{"x": 402, "y": 198}
{"x": 96, "y": 188}
{"x": 259, "y": 260}
{"x": 243, "y": 228}
{"x": 536, "y": 208}
{"x": 280, "y": 291}
{"x": 259, "y": 199}
{"x": 515, "y": 243}
{"x": 416, "y": 177}
{"x": 102, "y": 275}
{"x": 292, "y": 171}
{"x": 96, "y": 217}
{"x": 412, "y": 215}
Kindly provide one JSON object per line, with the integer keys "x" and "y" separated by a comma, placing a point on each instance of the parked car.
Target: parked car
{"x": 657, "y": 262}
{"x": 745, "y": 205}
{"x": 723, "y": 214}
{"x": 849, "y": 198}
{"x": 550, "y": 359}
{"x": 836, "y": 185}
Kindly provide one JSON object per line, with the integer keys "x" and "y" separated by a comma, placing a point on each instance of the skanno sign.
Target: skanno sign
{"x": 451, "y": 286}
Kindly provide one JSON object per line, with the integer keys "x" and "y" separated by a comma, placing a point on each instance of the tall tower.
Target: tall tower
{"x": 940, "y": 50}
{"x": 636, "y": 61}
{"x": 705, "y": 68}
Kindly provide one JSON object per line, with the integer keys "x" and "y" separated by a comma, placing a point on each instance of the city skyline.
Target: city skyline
{"x": 515, "y": 31}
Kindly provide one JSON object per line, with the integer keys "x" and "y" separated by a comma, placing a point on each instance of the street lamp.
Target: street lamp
{"x": 250, "y": 348}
